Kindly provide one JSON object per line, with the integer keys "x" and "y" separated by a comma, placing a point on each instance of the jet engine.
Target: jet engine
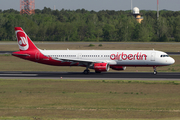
{"x": 101, "y": 67}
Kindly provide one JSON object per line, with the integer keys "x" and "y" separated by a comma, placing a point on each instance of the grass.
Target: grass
{"x": 83, "y": 99}
{"x": 91, "y": 45}
{"x": 37, "y": 118}
{"x": 100, "y": 45}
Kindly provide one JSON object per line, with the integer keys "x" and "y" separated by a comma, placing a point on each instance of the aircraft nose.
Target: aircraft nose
{"x": 172, "y": 61}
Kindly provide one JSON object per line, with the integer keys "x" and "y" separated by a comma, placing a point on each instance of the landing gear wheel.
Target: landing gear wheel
{"x": 86, "y": 71}
{"x": 155, "y": 72}
{"x": 97, "y": 71}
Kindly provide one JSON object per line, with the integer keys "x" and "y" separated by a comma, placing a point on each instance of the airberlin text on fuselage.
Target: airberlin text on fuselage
{"x": 123, "y": 56}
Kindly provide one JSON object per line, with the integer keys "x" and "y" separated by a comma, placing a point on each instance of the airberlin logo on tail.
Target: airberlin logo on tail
{"x": 22, "y": 40}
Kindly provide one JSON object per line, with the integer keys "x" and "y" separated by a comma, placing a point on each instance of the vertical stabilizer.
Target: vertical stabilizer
{"x": 24, "y": 42}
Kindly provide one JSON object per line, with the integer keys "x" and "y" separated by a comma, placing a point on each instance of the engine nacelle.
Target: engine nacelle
{"x": 116, "y": 67}
{"x": 101, "y": 67}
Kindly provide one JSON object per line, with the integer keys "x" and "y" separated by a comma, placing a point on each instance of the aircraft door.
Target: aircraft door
{"x": 153, "y": 56}
{"x": 79, "y": 56}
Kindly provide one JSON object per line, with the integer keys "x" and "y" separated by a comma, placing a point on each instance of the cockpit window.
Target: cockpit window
{"x": 164, "y": 55}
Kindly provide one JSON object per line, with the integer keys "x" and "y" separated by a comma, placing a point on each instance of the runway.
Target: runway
{"x": 79, "y": 75}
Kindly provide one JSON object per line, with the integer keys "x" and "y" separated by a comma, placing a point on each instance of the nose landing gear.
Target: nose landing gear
{"x": 155, "y": 72}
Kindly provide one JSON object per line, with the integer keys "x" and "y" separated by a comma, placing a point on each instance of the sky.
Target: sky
{"x": 96, "y": 5}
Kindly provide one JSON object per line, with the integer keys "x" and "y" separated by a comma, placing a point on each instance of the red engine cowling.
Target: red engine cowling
{"x": 101, "y": 67}
{"x": 118, "y": 67}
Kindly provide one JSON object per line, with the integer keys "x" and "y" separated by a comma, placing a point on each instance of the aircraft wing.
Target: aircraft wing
{"x": 77, "y": 60}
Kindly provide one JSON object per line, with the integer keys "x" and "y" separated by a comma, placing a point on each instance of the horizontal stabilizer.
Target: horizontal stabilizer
{"x": 15, "y": 54}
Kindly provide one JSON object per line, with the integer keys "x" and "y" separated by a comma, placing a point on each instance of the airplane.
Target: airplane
{"x": 99, "y": 60}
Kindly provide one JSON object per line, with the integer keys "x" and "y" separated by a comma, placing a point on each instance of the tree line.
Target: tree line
{"x": 83, "y": 25}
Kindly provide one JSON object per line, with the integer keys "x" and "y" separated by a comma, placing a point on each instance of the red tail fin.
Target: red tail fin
{"x": 24, "y": 42}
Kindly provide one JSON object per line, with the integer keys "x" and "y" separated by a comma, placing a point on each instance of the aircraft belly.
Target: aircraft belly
{"x": 128, "y": 62}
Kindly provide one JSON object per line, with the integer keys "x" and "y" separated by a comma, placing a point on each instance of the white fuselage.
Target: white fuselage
{"x": 114, "y": 57}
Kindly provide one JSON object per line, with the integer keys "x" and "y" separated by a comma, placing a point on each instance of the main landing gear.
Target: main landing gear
{"x": 87, "y": 71}
{"x": 155, "y": 72}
